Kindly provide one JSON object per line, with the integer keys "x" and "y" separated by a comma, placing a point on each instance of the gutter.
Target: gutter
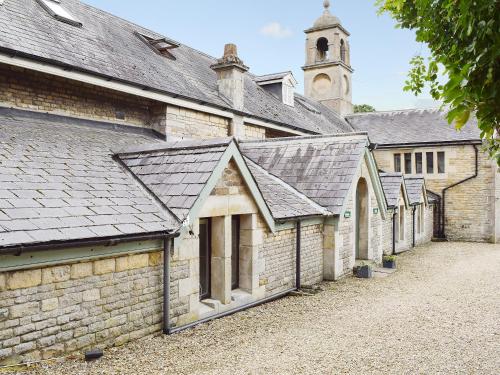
{"x": 442, "y": 233}
{"x": 413, "y": 226}
{"x": 394, "y": 232}
{"x": 429, "y": 144}
{"x": 298, "y": 264}
{"x": 17, "y": 250}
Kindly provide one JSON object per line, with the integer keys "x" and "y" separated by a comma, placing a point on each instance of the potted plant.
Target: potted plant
{"x": 389, "y": 261}
{"x": 364, "y": 271}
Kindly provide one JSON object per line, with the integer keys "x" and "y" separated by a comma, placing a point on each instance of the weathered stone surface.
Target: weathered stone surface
{"x": 55, "y": 274}
{"x": 26, "y": 309}
{"x": 81, "y": 270}
{"x": 4, "y": 314}
{"x": 91, "y": 295}
{"x": 3, "y": 282}
{"x": 155, "y": 259}
{"x": 50, "y": 304}
{"x": 104, "y": 266}
{"x": 24, "y": 279}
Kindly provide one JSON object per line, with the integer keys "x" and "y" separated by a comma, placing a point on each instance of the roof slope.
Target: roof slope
{"x": 106, "y": 45}
{"x": 284, "y": 201}
{"x": 392, "y": 183}
{"x": 414, "y": 187}
{"x": 177, "y": 172}
{"x": 412, "y": 126}
{"x": 322, "y": 167}
{"x": 58, "y": 182}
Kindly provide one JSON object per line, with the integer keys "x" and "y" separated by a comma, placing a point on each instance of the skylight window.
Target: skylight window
{"x": 57, "y": 11}
{"x": 161, "y": 46}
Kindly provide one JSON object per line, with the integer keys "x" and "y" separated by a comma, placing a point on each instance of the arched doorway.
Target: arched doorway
{"x": 362, "y": 219}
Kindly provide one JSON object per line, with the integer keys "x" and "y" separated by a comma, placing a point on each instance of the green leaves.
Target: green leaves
{"x": 464, "y": 39}
{"x": 362, "y": 108}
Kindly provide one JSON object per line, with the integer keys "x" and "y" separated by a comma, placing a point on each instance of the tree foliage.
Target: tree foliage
{"x": 361, "y": 108}
{"x": 464, "y": 39}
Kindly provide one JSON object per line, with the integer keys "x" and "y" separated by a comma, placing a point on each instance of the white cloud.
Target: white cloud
{"x": 276, "y": 30}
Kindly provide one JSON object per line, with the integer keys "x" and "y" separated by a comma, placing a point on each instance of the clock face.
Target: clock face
{"x": 322, "y": 84}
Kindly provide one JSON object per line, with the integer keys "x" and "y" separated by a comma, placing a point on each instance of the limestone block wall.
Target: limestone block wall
{"x": 470, "y": 207}
{"x": 278, "y": 255}
{"x": 47, "y": 312}
{"x": 387, "y": 227}
{"x": 183, "y": 122}
{"x": 26, "y": 89}
{"x": 254, "y": 132}
{"x": 311, "y": 254}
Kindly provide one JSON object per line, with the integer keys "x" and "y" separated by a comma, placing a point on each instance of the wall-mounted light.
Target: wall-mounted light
{"x": 375, "y": 210}
{"x": 347, "y": 214}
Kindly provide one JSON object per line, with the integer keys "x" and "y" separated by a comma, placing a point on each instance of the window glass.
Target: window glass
{"x": 397, "y": 162}
{"x": 430, "y": 162}
{"x": 408, "y": 163}
{"x": 418, "y": 163}
{"x": 441, "y": 167}
{"x": 57, "y": 11}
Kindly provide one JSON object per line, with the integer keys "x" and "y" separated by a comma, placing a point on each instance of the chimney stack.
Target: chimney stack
{"x": 230, "y": 71}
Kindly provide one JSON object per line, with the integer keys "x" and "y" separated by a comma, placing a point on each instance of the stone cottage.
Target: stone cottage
{"x": 149, "y": 188}
{"x": 410, "y": 216}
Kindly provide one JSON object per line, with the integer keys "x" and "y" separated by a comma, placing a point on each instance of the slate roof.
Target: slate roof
{"x": 58, "y": 182}
{"x": 414, "y": 188}
{"x": 391, "y": 183}
{"x": 106, "y": 46}
{"x": 321, "y": 167}
{"x": 176, "y": 172}
{"x": 283, "y": 201}
{"x": 272, "y": 76}
{"x": 412, "y": 126}
{"x": 432, "y": 197}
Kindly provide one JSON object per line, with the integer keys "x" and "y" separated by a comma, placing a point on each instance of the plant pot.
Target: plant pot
{"x": 364, "y": 272}
{"x": 389, "y": 264}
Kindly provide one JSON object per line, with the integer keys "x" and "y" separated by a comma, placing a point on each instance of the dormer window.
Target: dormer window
{"x": 162, "y": 46}
{"x": 56, "y": 10}
{"x": 281, "y": 85}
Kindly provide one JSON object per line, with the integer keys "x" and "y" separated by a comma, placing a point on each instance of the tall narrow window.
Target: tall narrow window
{"x": 397, "y": 162}
{"x": 408, "y": 163}
{"x": 205, "y": 258}
{"x": 323, "y": 49}
{"x": 342, "y": 50}
{"x": 418, "y": 163}
{"x": 430, "y": 162}
{"x": 235, "y": 253}
{"x": 441, "y": 162}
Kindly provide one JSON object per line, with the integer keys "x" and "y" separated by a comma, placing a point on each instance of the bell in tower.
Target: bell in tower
{"x": 328, "y": 72}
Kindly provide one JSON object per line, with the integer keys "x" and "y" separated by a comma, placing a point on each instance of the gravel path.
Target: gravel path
{"x": 439, "y": 314}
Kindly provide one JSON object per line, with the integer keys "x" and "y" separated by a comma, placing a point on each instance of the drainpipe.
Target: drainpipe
{"x": 394, "y": 232}
{"x": 413, "y": 229}
{"x": 167, "y": 243}
{"x": 443, "y": 212}
{"x": 298, "y": 284}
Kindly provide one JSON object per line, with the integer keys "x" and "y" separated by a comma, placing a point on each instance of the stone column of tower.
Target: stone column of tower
{"x": 328, "y": 72}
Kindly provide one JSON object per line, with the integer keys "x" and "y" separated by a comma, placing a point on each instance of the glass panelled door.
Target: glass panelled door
{"x": 235, "y": 253}
{"x": 205, "y": 258}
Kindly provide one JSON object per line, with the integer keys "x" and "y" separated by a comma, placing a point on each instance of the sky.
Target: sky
{"x": 270, "y": 38}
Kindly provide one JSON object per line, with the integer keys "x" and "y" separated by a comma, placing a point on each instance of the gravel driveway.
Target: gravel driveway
{"x": 439, "y": 314}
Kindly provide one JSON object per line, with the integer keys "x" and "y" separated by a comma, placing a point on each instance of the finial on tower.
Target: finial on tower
{"x": 326, "y": 4}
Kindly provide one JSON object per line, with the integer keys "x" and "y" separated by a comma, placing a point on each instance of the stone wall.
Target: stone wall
{"x": 278, "y": 254}
{"x": 470, "y": 207}
{"x": 30, "y": 90}
{"x": 347, "y": 228}
{"x": 254, "y": 132}
{"x": 183, "y": 122}
{"x": 47, "y": 312}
